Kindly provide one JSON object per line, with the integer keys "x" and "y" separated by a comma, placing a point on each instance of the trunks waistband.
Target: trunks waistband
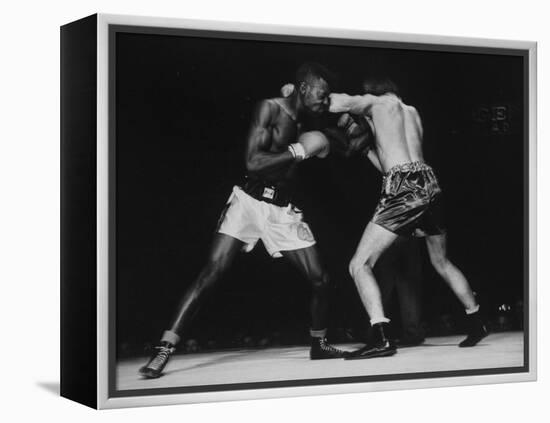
{"x": 408, "y": 167}
{"x": 266, "y": 192}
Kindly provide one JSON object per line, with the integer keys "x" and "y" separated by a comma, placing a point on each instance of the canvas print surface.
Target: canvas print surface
{"x": 296, "y": 212}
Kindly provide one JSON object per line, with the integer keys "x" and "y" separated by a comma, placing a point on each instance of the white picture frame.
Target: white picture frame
{"x": 98, "y": 391}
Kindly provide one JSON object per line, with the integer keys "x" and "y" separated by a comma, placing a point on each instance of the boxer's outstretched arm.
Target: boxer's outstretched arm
{"x": 258, "y": 157}
{"x": 351, "y": 136}
{"x": 356, "y": 104}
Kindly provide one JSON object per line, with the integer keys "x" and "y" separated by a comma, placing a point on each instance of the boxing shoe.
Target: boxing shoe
{"x": 322, "y": 350}
{"x": 153, "y": 369}
{"x": 475, "y": 330}
{"x": 379, "y": 346}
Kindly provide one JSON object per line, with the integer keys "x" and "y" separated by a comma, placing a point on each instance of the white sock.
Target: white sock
{"x": 472, "y": 310}
{"x": 321, "y": 333}
{"x": 171, "y": 337}
{"x": 379, "y": 320}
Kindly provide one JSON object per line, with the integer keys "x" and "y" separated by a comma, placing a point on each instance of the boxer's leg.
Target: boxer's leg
{"x": 222, "y": 253}
{"x": 386, "y": 272}
{"x": 374, "y": 242}
{"x": 308, "y": 262}
{"x": 437, "y": 249}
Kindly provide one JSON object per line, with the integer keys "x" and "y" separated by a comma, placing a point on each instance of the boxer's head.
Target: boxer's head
{"x": 313, "y": 87}
{"x": 380, "y": 86}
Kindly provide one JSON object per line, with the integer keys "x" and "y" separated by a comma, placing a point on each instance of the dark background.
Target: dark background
{"x": 183, "y": 106}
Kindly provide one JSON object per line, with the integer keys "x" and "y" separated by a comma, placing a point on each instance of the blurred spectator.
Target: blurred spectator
{"x": 248, "y": 342}
{"x": 264, "y": 342}
{"x": 192, "y": 346}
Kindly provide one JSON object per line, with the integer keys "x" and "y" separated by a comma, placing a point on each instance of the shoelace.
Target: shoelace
{"x": 327, "y": 347}
{"x": 161, "y": 357}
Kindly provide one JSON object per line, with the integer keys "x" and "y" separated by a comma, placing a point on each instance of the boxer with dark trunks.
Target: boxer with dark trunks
{"x": 408, "y": 206}
{"x": 261, "y": 208}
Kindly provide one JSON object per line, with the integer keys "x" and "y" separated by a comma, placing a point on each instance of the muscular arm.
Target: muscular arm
{"x": 357, "y": 104}
{"x": 259, "y": 159}
{"x": 343, "y": 146}
{"x": 414, "y": 132}
{"x": 357, "y": 145}
{"x": 350, "y": 136}
{"x": 358, "y": 138}
{"x": 370, "y": 153}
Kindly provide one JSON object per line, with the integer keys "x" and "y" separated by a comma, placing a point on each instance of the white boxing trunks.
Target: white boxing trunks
{"x": 279, "y": 228}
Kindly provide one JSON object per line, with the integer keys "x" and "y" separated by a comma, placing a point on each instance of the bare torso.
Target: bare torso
{"x": 397, "y": 129}
{"x": 281, "y": 129}
{"x": 284, "y": 127}
{"x": 284, "y": 131}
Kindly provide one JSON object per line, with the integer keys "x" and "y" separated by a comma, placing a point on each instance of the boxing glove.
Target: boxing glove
{"x": 315, "y": 144}
{"x": 353, "y": 126}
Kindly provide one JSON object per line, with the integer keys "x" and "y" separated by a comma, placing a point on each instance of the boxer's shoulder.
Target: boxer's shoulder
{"x": 279, "y": 103}
{"x": 389, "y": 100}
{"x": 266, "y": 111}
{"x": 412, "y": 114}
{"x": 269, "y": 105}
{"x": 281, "y": 108}
{"x": 410, "y": 109}
{"x": 388, "y": 104}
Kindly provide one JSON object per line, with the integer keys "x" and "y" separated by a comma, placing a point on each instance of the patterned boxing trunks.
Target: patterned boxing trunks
{"x": 410, "y": 201}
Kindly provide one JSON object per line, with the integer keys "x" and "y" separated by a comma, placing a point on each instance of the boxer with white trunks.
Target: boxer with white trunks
{"x": 261, "y": 208}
